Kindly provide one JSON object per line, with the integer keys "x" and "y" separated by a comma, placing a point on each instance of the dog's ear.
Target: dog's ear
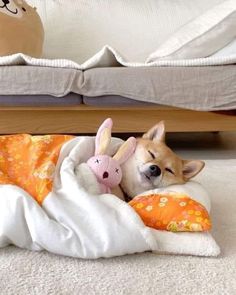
{"x": 191, "y": 168}
{"x": 157, "y": 132}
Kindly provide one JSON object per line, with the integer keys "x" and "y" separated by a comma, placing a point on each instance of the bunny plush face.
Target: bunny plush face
{"x": 107, "y": 169}
{"x": 21, "y": 29}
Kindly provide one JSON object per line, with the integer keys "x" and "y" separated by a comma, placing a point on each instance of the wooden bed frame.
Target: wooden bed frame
{"x": 86, "y": 119}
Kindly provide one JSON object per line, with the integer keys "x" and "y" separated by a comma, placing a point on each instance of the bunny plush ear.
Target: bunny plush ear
{"x": 125, "y": 151}
{"x": 103, "y": 137}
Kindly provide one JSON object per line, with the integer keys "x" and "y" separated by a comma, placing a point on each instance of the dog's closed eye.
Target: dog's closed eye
{"x": 170, "y": 171}
{"x": 152, "y": 155}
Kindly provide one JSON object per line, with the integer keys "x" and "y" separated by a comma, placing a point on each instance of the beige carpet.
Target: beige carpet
{"x": 24, "y": 272}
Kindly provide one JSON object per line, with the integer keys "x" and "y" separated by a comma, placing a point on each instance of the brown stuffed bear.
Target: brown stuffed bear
{"x": 21, "y": 29}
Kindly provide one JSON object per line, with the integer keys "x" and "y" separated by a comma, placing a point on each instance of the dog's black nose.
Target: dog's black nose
{"x": 105, "y": 175}
{"x": 6, "y": 2}
{"x": 154, "y": 170}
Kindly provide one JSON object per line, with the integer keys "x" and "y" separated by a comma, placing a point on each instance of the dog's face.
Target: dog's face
{"x": 155, "y": 165}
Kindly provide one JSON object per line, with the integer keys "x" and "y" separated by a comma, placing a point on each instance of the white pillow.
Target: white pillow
{"x": 198, "y": 243}
{"x": 228, "y": 50}
{"x": 201, "y": 37}
{"x": 77, "y": 29}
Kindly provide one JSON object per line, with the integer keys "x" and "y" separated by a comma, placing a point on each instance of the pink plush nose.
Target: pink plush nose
{"x": 105, "y": 175}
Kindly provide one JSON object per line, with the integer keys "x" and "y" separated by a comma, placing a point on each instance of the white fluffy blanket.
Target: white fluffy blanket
{"x": 75, "y": 220}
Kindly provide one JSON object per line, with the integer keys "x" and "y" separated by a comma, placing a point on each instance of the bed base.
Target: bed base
{"x": 85, "y": 119}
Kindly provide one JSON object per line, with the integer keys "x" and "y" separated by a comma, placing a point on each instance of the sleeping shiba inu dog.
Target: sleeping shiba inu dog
{"x": 155, "y": 165}
{"x": 30, "y": 162}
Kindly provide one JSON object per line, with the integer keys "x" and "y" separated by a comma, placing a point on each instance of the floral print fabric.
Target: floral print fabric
{"x": 172, "y": 212}
{"x": 29, "y": 162}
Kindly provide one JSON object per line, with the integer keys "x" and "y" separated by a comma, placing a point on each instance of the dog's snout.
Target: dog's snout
{"x": 6, "y": 2}
{"x": 105, "y": 175}
{"x": 154, "y": 170}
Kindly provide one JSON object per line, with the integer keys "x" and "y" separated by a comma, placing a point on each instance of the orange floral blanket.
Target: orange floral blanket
{"x": 29, "y": 162}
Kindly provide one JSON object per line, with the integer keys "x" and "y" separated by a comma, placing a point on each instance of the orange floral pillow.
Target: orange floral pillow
{"x": 172, "y": 212}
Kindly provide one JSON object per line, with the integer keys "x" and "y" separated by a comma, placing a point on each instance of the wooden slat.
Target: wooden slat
{"x": 86, "y": 119}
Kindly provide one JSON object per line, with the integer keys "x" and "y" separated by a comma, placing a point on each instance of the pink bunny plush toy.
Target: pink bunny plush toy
{"x": 107, "y": 169}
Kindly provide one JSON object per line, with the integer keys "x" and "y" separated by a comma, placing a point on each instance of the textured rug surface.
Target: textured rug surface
{"x": 25, "y": 272}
